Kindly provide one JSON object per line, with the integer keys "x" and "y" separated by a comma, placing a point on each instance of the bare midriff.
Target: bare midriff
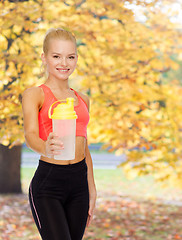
{"x": 80, "y": 144}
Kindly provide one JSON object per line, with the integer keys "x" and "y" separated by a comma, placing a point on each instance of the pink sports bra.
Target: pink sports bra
{"x": 45, "y": 123}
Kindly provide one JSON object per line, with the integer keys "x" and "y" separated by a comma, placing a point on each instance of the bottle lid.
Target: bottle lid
{"x": 64, "y": 110}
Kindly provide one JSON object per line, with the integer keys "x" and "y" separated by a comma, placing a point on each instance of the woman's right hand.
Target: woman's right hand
{"x": 53, "y": 145}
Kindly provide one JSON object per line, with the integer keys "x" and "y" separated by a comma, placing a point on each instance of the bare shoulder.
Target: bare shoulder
{"x": 32, "y": 91}
{"x": 33, "y": 94}
{"x": 85, "y": 98}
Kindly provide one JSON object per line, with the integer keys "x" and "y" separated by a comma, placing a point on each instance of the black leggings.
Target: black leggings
{"x": 59, "y": 200}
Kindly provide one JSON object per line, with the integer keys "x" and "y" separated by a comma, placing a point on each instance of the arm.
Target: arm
{"x": 91, "y": 185}
{"x": 90, "y": 177}
{"x": 31, "y": 103}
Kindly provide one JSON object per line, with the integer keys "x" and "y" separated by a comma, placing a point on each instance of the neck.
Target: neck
{"x": 58, "y": 84}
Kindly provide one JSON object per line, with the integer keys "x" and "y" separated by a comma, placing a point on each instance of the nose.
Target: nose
{"x": 63, "y": 61}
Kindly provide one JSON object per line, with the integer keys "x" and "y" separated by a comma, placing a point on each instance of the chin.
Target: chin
{"x": 63, "y": 78}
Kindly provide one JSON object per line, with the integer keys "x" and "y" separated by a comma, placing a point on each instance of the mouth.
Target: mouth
{"x": 63, "y": 70}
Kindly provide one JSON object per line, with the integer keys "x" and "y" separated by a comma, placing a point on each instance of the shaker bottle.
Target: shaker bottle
{"x": 64, "y": 125}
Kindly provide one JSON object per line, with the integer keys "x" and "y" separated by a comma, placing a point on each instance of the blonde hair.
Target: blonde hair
{"x": 57, "y": 33}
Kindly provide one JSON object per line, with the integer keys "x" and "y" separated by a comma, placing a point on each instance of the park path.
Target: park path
{"x": 100, "y": 160}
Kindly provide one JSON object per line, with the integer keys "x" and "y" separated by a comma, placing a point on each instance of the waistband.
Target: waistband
{"x": 59, "y": 166}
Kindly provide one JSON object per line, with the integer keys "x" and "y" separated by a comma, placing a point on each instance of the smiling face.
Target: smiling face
{"x": 61, "y": 59}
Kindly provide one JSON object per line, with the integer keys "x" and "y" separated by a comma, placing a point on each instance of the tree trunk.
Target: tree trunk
{"x": 10, "y": 162}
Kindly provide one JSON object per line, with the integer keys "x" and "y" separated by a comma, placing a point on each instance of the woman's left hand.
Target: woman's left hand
{"x": 91, "y": 209}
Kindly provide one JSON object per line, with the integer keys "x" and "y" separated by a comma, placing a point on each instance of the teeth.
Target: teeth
{"x": 63, "y": 70}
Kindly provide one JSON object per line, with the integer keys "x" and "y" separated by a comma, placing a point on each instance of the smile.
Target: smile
{"x": 62, "y": 70}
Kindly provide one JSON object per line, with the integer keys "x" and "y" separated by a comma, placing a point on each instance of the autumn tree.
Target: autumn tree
{"x": 19, "y": 69}
{"x": 133, "y": 111}
{"x": 120, "y": 64}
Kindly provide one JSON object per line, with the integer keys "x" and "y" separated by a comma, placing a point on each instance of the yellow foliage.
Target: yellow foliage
{"x": 120, "y": 65}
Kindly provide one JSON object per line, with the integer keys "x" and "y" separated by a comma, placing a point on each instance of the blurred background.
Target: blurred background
{"x": 130, "y": 66}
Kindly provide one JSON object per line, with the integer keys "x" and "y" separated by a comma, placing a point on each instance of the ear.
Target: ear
{"x": 43, "y": 58}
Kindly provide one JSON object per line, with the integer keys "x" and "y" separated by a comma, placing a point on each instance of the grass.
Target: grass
{"x": 125, "y": 209}
{"x": 114, "y": 182}
{"x": 108, "y": 180}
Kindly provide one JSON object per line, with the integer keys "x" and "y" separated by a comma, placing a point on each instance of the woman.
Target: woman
{"x": 62, "y": 193}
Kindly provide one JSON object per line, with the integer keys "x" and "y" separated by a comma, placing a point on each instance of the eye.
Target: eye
{"x": 55, "y": 56}
{"x": 72, "y": 57}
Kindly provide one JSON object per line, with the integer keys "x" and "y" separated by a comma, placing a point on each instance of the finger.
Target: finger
{"x": 51, "y": 135}
{"x": 56, "y": 142}
{"x": 91, "y": 209}
{"x": 89, "y": 219}
{"x": 53, "y": 147}
{"x": 56, "y": 149}
{"x": 90, "y": 214}
{"x": 53, "y": 151}
{"x": 56, "y": 152}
